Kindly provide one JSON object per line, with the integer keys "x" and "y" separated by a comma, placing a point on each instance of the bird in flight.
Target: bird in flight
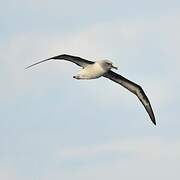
{"x": 93, "y": 70}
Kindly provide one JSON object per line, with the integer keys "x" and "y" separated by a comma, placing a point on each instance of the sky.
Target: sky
{"x": 55, "y": 127}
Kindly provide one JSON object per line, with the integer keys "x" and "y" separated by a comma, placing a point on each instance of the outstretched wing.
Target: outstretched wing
{"x": 77, "y": 60}
{"x": 135, "y": 89}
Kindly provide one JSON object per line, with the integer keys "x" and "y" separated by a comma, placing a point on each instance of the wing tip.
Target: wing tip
{"x": 154, "y": 122}
{"x": 153, "y": 119}
{"x": 27, "y": 67}
{"x": 38, "y": 63}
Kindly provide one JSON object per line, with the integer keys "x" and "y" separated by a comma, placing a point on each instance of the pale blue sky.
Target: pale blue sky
{"x": 54, "y": 127}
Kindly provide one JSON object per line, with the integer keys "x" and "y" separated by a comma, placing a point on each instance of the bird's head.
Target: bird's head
{"x": 107, "y": 65}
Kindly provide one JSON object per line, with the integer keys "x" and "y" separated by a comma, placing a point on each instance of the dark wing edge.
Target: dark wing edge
{"x": 135, "y": 89}
{"x": 75, "y": 59}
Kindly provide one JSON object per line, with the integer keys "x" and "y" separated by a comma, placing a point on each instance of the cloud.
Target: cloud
{"x": 146, "y": 49}
{"x": 139, "y": 158}
{"x": 146, "y": 148}
{"x": 7, "y": 173}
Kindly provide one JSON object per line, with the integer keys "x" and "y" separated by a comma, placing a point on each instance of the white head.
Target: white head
{"x": 107, "y": 65}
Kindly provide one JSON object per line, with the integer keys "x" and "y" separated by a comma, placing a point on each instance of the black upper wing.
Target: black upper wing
{"x": 77, "y": 60}
{"x": 135, "y": 89}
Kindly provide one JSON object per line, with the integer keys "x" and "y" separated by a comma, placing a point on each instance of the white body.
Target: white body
{"x": 92, "y": 71}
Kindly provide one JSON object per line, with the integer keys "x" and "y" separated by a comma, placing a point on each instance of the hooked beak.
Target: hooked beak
{"x": 114, "y": 67}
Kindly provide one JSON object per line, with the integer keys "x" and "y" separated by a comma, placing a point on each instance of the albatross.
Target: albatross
{"x": 102, "y": 68}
